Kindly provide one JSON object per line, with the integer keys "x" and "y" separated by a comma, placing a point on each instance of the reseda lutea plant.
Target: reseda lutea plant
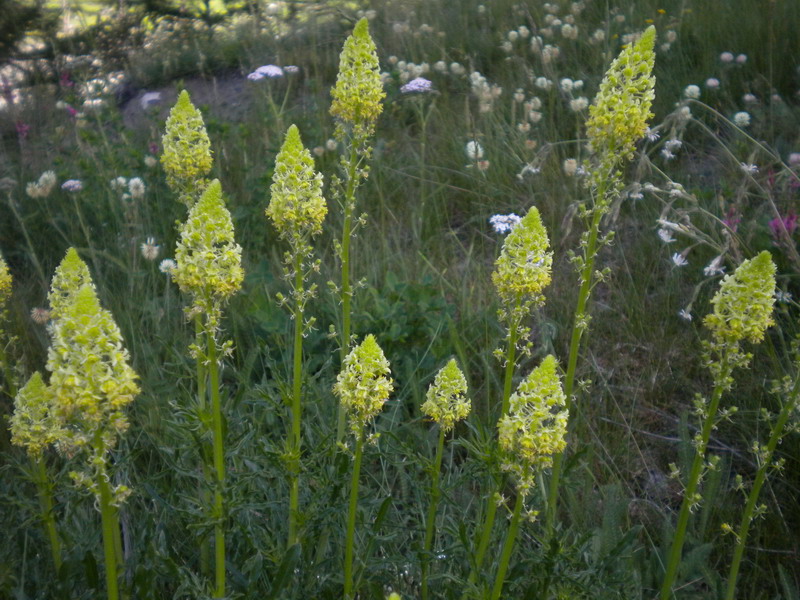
{"x": 617, "y": 121}
{"x": 297, "y": 209}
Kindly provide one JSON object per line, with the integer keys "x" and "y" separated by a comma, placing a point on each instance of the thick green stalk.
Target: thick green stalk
{"x": 579, "y": 326}
{"x": 351, "y": 519}
{"x": 205, "y": 557}
{"x": 752, "y": 498}
{"x": 45, "y": 490}
{"x": 107, "y": 514}
{"x": 508, "y": 548}
{"x": 296, "y": 436}
{"x": 430, "y": 526}
{"x": 219, "y": 468}
{"x": 689, "y": 500}
{"x": 346, "y": 289}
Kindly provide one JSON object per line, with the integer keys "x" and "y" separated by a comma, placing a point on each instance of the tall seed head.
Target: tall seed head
{"x": 535, "y": 426}
{"x": 296, "y": 207}
{"x": 523, "y": 268}
{"x": 209, "y": 260}
{"x": 364, "y": 384}
{"x": 358, "y": 92}
{"x": 744, "y": 302}
{"x": 187, "y": 150}
{"x": 620, "y": 111}
{"x": 446, "y": 401}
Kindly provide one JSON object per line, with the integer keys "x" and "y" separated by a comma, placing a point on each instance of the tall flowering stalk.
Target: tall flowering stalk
{"x": 187, "y": 151}
{"x": 742, "y": 311}
{"x": 297, "y": 209}
{"x": 91, "y": 384}
{"x": 446, "y": 403}
{"x": 529, "y": 435}
{"x": 363, "y": 387}
{"x": 356, "y": 106}
{"x": 34, "y": 428}
{"x": 5, "y": 296}
{"x": 209, "y": 269}
{"x": 521, "y": 273}
{"x": 617, "y": 120}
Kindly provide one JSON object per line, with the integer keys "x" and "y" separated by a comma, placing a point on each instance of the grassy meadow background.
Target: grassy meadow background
{"x": 91, "y": 106}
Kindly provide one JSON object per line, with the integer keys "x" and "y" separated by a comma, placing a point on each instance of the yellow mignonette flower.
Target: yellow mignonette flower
{"x": 209, "y": 261}
{"x": 91, "y": 379}
{"x": 744, "y": 302}
{"x": 296, "y": 207}
{"x": 364, "y": 384}
{"x": 5, "y": 284}
{"x": 535, "y": 426}
{"x": 619, "y": 114}
{"x": 446, "y": 401}
{"x": 70, "y": 276}
{"x": 523, "y": 269}
{"x": 32, "y": 424}
{"x": 358, "y": 92}
{"x": 187, "y": 150}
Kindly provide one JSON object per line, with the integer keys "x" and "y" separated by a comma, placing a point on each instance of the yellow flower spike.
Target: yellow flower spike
{"x": 446, "y": 401}
{"x": 535, "y": 426}
{"x": 187, "y": 150}
{"x": 364, "y": 384}
{"x": 209, "y": 260}
{"x": 619, "y": 114}
{"x": 70, "y": 276}
{"x": 523, "y": 268}
{"x": 358, "y": 92}
{"x": 743, "y": 305}
{"x": 5, "y": 284}
{"x": 32, "y": 424}
{"x": 296, "y": 207}
{"x": 91, "y": 379}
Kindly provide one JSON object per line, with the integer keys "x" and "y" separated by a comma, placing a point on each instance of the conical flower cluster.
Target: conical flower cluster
{"x": 446, "y": 401}
{"x": 743, "y": 305}
{"x": 358, "y": 92}
{"x": 535, "y": 426}
{"x": 364, "y": 384}
{"x": 523, "y": 268}
{"x": 296, "y": 207}
{"x": 209, "y": 260}
{"x": 32, "y": 424}
{"x": 5, "y": 283}
{"x": 70, "y": 276}
{"x": 619, "y": 114}
{"x": 187, "y": 150}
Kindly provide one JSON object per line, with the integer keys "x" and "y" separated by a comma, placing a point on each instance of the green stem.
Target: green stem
{"x": 430, "y": 526}
{"x": 508, "y": 548}
{"x": 351, "y": 519}
{"x": 219, "y": 468}
{"x": 205, "y": 556}
{"x": 46, "y": 504}
{"x": 296, "y": 436}
{"x": 689, "y": 499}
{"x": 346, "y": 291}
{"x": 752, "y": 498}
{"x": 107, "y": 513}
{"x": 578, "y": 328}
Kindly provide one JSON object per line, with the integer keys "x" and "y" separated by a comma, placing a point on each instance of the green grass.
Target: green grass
{"x": 427, "y": 296}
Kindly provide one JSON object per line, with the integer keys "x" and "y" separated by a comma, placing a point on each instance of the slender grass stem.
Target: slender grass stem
{"x": 689, "y": 495}
{"x": 351, "y": 519}
{"x": 346, "y": 289}
{"x": 430, "y": 525}
{"x": 45, "y": 490}
{"x": 761, "y": 476}
{"x": 296, "y": 433}
{"x": 580, "y": 325}
{"x": 219, "y": 469}
{"x": 508, "y": 548}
